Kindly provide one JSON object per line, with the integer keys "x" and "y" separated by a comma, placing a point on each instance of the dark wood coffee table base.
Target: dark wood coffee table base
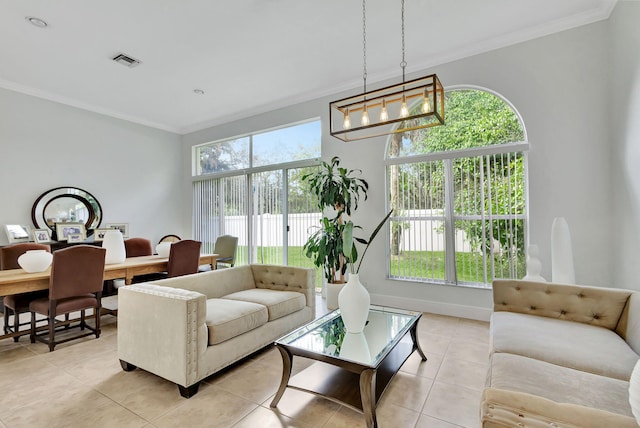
{"x": 357, "y": 386}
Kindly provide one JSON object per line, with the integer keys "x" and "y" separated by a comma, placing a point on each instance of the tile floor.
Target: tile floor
{"x": 81, "y": 384}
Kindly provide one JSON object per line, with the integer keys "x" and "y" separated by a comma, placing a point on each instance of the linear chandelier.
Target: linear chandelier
{"x": 388, "y": 110}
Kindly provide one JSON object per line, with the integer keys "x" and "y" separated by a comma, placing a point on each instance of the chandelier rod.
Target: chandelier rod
{"x": 403, "y": 64}
{"x": 364, "y": 44}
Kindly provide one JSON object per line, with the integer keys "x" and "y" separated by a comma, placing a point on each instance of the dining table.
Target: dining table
{"x": 16, "y": 281}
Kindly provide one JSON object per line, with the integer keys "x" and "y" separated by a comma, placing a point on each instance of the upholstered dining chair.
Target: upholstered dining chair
{"x": 18, "y": 303}
{"x": 75, "y": 285}
{"x": 225, "y": 247}
{"x": 169, "y": 238}
{"x": 184, "y": 258}
{"x": 133, "y": 247}
{"x": 137, "y": 247}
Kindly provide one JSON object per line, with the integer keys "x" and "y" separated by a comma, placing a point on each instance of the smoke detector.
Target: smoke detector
{"x": 126, "y": 60}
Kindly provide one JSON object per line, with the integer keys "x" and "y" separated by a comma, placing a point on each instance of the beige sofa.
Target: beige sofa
{"x": 561, "y": 356}
{"x": 187, "y": 328}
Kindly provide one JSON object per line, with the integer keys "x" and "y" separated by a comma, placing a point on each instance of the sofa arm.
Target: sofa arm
{"x": 287, "y": 278}
{"x": 162, "y": 330}
{"x": 501, "y": 408}
{"x": 590, "y": 305}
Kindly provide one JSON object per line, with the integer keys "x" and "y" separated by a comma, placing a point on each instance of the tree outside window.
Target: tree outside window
{"x": 458, "y": 192}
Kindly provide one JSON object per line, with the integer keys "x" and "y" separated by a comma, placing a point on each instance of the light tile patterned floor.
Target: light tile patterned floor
{"x": 81, "y": 384}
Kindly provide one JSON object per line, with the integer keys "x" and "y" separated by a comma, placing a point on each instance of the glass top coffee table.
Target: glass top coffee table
{"x": 353, "y": 368}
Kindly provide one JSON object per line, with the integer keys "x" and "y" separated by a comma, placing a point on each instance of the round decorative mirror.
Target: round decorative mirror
{"x": 66, "y": 205}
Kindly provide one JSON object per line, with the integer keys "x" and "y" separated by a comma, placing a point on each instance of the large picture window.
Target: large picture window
{"x": 459, "y": 195}
{"x": 250, "y": 187}
{"x": 273, "y": 147}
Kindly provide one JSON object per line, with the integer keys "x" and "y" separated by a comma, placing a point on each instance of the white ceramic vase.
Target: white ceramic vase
{"x": 35, "y": 261}
{"x": 163, "y": 249}
{"x": 561, "y": 253}
{"x": 113, "y": 242}
{"x": 534, "y": 266}
{"x": 353, "y": 302}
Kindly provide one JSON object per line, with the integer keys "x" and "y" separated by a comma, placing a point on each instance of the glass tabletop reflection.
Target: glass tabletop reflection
{"x": 328, "y": 336}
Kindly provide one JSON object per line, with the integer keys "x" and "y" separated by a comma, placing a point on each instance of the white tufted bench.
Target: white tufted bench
{"x": 561, "y": 356}
{"x": 184, "y": 329}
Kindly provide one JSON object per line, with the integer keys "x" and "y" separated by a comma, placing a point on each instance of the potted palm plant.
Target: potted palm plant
{"x": 332, "y": 246}
{"x": 338, "y": 191}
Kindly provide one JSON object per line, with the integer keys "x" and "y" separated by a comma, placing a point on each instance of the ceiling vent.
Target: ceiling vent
{"x": 126, "y": 60}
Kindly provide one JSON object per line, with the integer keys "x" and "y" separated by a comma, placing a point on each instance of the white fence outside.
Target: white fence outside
{"x": 418, "y": 234}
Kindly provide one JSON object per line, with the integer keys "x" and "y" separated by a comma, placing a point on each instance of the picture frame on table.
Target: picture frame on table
{"x": 122, "y": 227}
{"x": 75, "y": 237}
{"x": 63, "y": 230}
{"x": 17, "y": 233}
{"x": 41, "y": 236}
{"x": 98, "y": 234}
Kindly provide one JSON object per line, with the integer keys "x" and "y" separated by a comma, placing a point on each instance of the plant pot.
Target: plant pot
{"x": 35, "y": 260}
{"x": 333, "y": 290}
{"x": 354, "y": 301}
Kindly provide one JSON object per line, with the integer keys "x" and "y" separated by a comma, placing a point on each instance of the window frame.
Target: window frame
{"x": 450, "y": 215}
{"x": 251, "y": 168}
{"x": 248, "y": 174}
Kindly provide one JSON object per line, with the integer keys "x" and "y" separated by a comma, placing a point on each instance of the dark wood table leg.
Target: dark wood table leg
{"x": 368, "y": 396}
{"x": 416, "y": 344}
{"x": 287, "y": 362}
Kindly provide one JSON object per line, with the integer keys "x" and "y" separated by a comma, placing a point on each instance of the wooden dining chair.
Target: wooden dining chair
{"x": 18, "y": 303}
{"x": 184, "y": 258}
{"x": 225, "y": 247}
{"x": 137, "y": 247}
{"x": 133, "y": 247}
{"x": 75, "y": 285}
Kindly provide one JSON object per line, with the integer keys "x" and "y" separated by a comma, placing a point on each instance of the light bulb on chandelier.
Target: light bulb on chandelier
{"x": 365, "y": 116}
{"x": 347, "y": 120}
{"x": 404, "y": 110}
{"x": 384, "y": 114}
{"x": 426, "y": 106}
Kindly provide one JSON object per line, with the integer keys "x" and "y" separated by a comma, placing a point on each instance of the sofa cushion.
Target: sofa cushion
{"x": 559, "y": 384}
{"x": 230, "y": 318}
{"x": 571, "y": 344}
{"x": 278, "y": 303}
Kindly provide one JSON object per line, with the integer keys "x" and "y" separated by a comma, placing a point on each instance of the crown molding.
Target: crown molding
{"x": 49, "y": 96}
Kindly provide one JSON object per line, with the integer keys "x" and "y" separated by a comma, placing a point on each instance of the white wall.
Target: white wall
{"x": 559, "y": 84}
{"x": 625, "y": 117}
{"x": 134, "y": 171}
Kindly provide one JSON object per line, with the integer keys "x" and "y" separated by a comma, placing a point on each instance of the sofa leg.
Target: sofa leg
{"x": 189, "y": 391}
{"x": 126, "y": 366}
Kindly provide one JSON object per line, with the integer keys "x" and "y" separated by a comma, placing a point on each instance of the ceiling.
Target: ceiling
{"x": 248, "y": 56}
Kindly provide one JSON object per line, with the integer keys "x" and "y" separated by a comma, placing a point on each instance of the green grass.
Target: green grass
{"x": 431, "y": 265}
{"x": 419, "y": 265}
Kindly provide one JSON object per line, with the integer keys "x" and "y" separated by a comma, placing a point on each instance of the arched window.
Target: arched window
{"x": 459, "y": 194}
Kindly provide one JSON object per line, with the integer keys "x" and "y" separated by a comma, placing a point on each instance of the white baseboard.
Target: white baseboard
{"x": 449, "y": 309}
